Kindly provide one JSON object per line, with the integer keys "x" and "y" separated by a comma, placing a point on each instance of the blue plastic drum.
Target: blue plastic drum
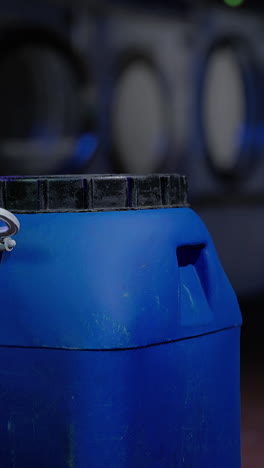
{"x": 119, "y": 337}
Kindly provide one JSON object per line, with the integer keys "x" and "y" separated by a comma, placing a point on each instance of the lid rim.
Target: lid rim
{"x": 84, "y": 193}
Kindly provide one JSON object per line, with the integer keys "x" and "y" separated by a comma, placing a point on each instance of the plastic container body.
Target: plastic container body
{"x": 113, "y": 280}
{"x": 172, "y": 405}
{"x": 119, "y": 344}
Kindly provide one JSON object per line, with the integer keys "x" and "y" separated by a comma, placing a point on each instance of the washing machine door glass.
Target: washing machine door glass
{"x": 39, "y": 115}
{"x": 139, "y": 133}
{"x": 224, "y": 109}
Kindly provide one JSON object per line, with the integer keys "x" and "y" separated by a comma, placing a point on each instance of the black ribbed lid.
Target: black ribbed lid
{"x": 47, "y": 194}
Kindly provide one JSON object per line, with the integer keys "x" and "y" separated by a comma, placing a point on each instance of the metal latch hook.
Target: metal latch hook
{"x": 6, "y": 232}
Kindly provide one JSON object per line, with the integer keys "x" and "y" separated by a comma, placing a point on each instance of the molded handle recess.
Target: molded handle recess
{"x": 195, "y": 284}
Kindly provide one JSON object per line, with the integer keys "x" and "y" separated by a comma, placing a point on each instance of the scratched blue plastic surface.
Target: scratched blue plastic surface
{"x": 149, "y": 373}
{"x": 111, "y": 280}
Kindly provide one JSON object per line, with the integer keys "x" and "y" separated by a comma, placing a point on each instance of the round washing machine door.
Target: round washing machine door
{"x": 39, "y": 118}
{"x": 139, "y": 118}
{"x": 227, "y": 111}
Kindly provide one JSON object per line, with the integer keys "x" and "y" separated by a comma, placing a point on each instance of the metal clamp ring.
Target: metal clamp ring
{"x": 11, "y": 229}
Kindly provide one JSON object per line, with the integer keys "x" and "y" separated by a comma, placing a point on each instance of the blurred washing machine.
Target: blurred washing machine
{"x": 226, "y": 170}
{"x": 146, "y": 102}
{"x": 186, "y": 94}
{"x": 46, "y": 88}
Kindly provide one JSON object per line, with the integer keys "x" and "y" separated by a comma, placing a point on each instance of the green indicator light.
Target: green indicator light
{"x": 234, "y": 3}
